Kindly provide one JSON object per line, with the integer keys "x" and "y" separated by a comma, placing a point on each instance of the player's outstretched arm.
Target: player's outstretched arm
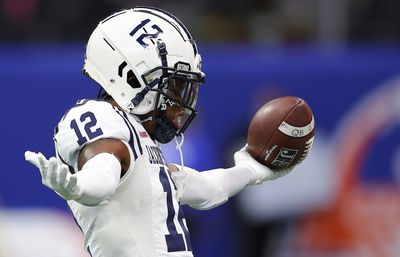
{"x": 208, "y": 189}
{"x": 93, "y": 184}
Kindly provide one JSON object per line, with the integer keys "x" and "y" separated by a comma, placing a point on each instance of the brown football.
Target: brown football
{"x": 281, "y": 133}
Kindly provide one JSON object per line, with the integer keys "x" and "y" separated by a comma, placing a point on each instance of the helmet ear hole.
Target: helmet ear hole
{"x": 132, "y": 80}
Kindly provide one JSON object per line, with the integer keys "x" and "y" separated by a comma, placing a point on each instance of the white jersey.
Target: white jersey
{"x": 143, "y": 217}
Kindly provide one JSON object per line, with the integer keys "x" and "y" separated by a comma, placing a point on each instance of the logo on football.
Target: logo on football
{"x": 285, "y": 157}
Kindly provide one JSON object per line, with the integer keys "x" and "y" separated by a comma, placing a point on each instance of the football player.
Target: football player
{"x": 108, "y": 164}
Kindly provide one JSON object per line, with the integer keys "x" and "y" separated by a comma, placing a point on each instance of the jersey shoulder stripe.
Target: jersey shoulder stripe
{"x": 136, "y": 134}
{"x": 132, "y": 133}
{"x": 70, "y": 168}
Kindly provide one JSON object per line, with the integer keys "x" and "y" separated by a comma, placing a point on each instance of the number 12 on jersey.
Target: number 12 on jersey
{"x": 91, "y": 131}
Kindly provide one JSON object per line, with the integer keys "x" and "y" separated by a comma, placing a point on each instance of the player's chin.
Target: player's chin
{"x": 175, "y": 116}
{"x": 177, "y": 122}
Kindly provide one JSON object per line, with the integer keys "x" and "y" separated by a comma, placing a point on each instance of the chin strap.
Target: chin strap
{"x": 147, "y": 119}
{"x": 179, "y": 148}
{"x": 179, "y": 177}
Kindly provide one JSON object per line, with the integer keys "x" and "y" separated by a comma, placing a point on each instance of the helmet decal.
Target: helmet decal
{"x": 150, "y": 36}
{"x": 190, "y": 38}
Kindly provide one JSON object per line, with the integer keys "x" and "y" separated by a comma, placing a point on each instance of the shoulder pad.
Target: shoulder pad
{"x": 88, "y": 121}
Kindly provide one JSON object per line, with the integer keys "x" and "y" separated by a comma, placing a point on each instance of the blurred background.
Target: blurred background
{"x": 342, "y": 57}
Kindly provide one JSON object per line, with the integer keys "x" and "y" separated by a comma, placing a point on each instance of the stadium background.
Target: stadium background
{"x": 341, "y": 56}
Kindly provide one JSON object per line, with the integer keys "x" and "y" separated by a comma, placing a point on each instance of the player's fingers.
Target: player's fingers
{"x": 71, "y": 186}
{"x": 43, "y": 159}
{"x": 284, "y": 172}
{"x": 62, "y": 176}
{"x": 32, "y": 158}
{"x": 43, "y": 164}
{"x": 52, "y": 173}
{"x": 241, "y": 155}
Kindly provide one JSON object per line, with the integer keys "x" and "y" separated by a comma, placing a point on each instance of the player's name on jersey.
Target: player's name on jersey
{"x": 155, "y": 155}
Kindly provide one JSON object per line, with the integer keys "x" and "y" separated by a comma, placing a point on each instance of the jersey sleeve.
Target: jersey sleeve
{"x": 86, "y": 122}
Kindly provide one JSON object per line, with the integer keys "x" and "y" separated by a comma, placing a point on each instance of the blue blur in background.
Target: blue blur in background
{"x": 42, "y": 81}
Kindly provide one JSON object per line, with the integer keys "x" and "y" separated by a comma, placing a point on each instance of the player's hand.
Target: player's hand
{"x": 261, "y": 172}
{"x": 55, "y": 176}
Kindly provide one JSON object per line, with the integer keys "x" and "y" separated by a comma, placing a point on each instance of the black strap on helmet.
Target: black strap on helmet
{"x": 162, "y": 51}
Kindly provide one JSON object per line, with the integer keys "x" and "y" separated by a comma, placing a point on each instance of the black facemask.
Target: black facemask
{"x": 164, "y": 134}
{"x": 176, "y": 88}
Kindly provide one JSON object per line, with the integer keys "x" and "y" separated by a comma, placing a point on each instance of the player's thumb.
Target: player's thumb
{"x": 241, "y": 156}
{"x": 32, "y": 157}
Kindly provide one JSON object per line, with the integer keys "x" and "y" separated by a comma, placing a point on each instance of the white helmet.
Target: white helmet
{"x": 135, "y": 54}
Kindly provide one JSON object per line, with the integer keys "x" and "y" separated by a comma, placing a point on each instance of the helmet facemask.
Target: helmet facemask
{"x": 175, "y": 100}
